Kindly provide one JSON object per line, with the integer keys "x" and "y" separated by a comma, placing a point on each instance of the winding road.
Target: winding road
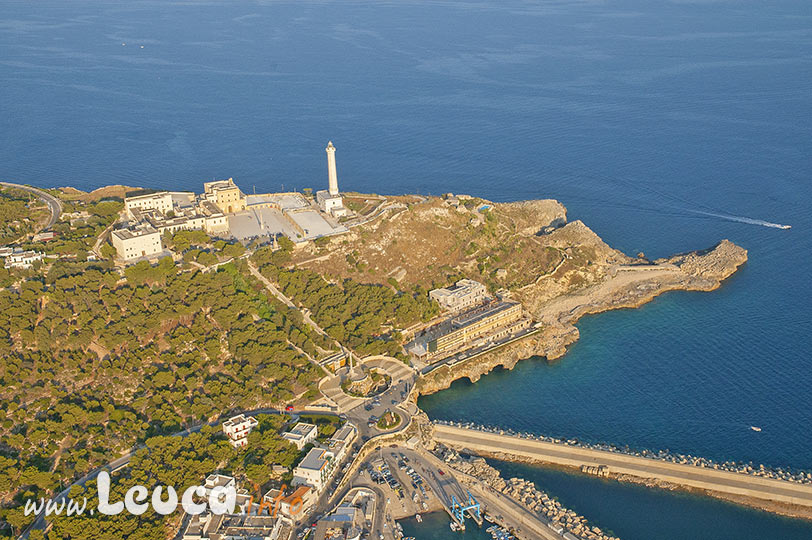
{"x": 53, "y": 203}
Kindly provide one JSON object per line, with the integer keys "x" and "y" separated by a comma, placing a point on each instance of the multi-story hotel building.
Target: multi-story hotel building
{"x": 489, "y": 320}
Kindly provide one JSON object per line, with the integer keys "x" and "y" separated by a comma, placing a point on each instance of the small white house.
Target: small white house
{"x": 237, "y": 429}
{"x": 23, "y": 259}
{"x": 218, "y": 481}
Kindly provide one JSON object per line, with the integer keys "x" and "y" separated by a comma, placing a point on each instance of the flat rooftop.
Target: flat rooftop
{"x": 126, "y": 234}
{"x": 259, "y": 199}
{"x": 287, "y": 201}
{"x": 476, "y": 314}
{"x": 183, "y": 199}
{"x": 302, "y": 429}
{"x": 314, "y": 460}
{"x": 147, "y": 196}
{"x": 313, "y": 224}
{"x": 261, "y": 222}
{"x": 344, "y": 433}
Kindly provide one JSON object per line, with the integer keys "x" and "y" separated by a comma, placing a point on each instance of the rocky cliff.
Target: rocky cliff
{"x": 606, "y": 280}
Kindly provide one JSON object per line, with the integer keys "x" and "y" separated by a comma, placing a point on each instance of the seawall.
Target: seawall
{"x": 780, "y": 496}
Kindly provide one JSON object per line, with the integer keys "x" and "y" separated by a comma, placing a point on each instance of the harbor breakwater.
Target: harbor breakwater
{"x": 760, "y": 470}
{"x": 558, "y": 518}
{"x": 774, "y": 489}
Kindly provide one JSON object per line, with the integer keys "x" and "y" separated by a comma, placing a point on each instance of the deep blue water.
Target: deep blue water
{"x": 642, "y": 117}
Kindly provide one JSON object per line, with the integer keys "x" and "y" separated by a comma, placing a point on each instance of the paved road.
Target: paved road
{"x": 495, "y": 503}
{"x": 680, "y": 474}
{"x": 52, "y": 202}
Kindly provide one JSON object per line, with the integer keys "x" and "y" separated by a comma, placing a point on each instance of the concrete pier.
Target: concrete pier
{"x": 685, "y": 475}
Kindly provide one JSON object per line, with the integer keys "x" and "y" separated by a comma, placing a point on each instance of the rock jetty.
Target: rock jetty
{"x": 549, "y": 510}
{"x": 790, "y": 475}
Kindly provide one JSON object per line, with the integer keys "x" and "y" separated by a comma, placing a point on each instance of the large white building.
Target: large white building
{"x": 315, "y": 469}
{"x": 330, "y": 200}
{"x": 141, "y": 241}
{"x": 237, "y": 429}
{"x": 160, "y": 202}
{"x": 302, "y": 434}
{"x": 465, "y": 294}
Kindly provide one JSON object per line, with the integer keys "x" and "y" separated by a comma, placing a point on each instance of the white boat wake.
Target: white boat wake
{"x": 742, "y": 219}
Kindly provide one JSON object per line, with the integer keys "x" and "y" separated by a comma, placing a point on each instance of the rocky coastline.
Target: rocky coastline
{"x": 623, "y": 284}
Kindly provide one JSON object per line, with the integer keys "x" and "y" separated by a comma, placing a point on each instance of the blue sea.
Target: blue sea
{"x": 665, "y": 126}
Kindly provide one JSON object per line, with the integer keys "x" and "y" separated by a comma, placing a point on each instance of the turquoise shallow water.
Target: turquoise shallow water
{"x": 649, "y": 120}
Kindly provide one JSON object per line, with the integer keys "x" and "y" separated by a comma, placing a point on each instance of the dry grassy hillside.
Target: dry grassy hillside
{"x": 434, "y": 242}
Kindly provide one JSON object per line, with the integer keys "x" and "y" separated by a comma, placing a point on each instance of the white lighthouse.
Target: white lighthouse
{"x": 330, "y": 199}
{"x": 331, "y": 169}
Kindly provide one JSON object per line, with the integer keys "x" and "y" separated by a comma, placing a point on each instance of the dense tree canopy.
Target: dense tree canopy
{"x": 358, "y": 315}
{"x": 93, "y": 362}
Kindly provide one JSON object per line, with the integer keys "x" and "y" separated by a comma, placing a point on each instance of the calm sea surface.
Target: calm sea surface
{"x": 665, "y": 126}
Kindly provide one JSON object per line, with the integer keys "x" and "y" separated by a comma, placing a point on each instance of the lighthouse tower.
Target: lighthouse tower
{"x": 330, "y": 199}
{"x": 331, "y": 170}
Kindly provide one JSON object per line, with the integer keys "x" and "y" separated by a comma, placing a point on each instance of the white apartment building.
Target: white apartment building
{"x": 142, "y": 241}
{"x": 23, "y": 259}
{"x": 465, "y": 294}
{"x": 301, "y": 434}
{"x": 218, "y": 480}
{"x": 160, "y": 202}
{"x": 341, "y": 442}
{"x": 315, "y": 469}
{"x": 237, "y": 429}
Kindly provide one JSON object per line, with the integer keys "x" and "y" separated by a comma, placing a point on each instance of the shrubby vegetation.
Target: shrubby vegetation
{"x": 197, "y": 246}
{"x": 92, "y": 363}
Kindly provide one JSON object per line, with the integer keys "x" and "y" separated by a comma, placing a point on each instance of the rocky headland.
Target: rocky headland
{"x": 591, "y": 277}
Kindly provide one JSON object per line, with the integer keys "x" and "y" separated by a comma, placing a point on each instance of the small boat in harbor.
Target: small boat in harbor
{"x": 419, "y": 518}
{"x": 499, "y": 533}
{"x": 755, "y": 428}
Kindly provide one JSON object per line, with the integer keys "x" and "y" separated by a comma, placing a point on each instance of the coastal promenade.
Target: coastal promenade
{"x": 684, "y": 475}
